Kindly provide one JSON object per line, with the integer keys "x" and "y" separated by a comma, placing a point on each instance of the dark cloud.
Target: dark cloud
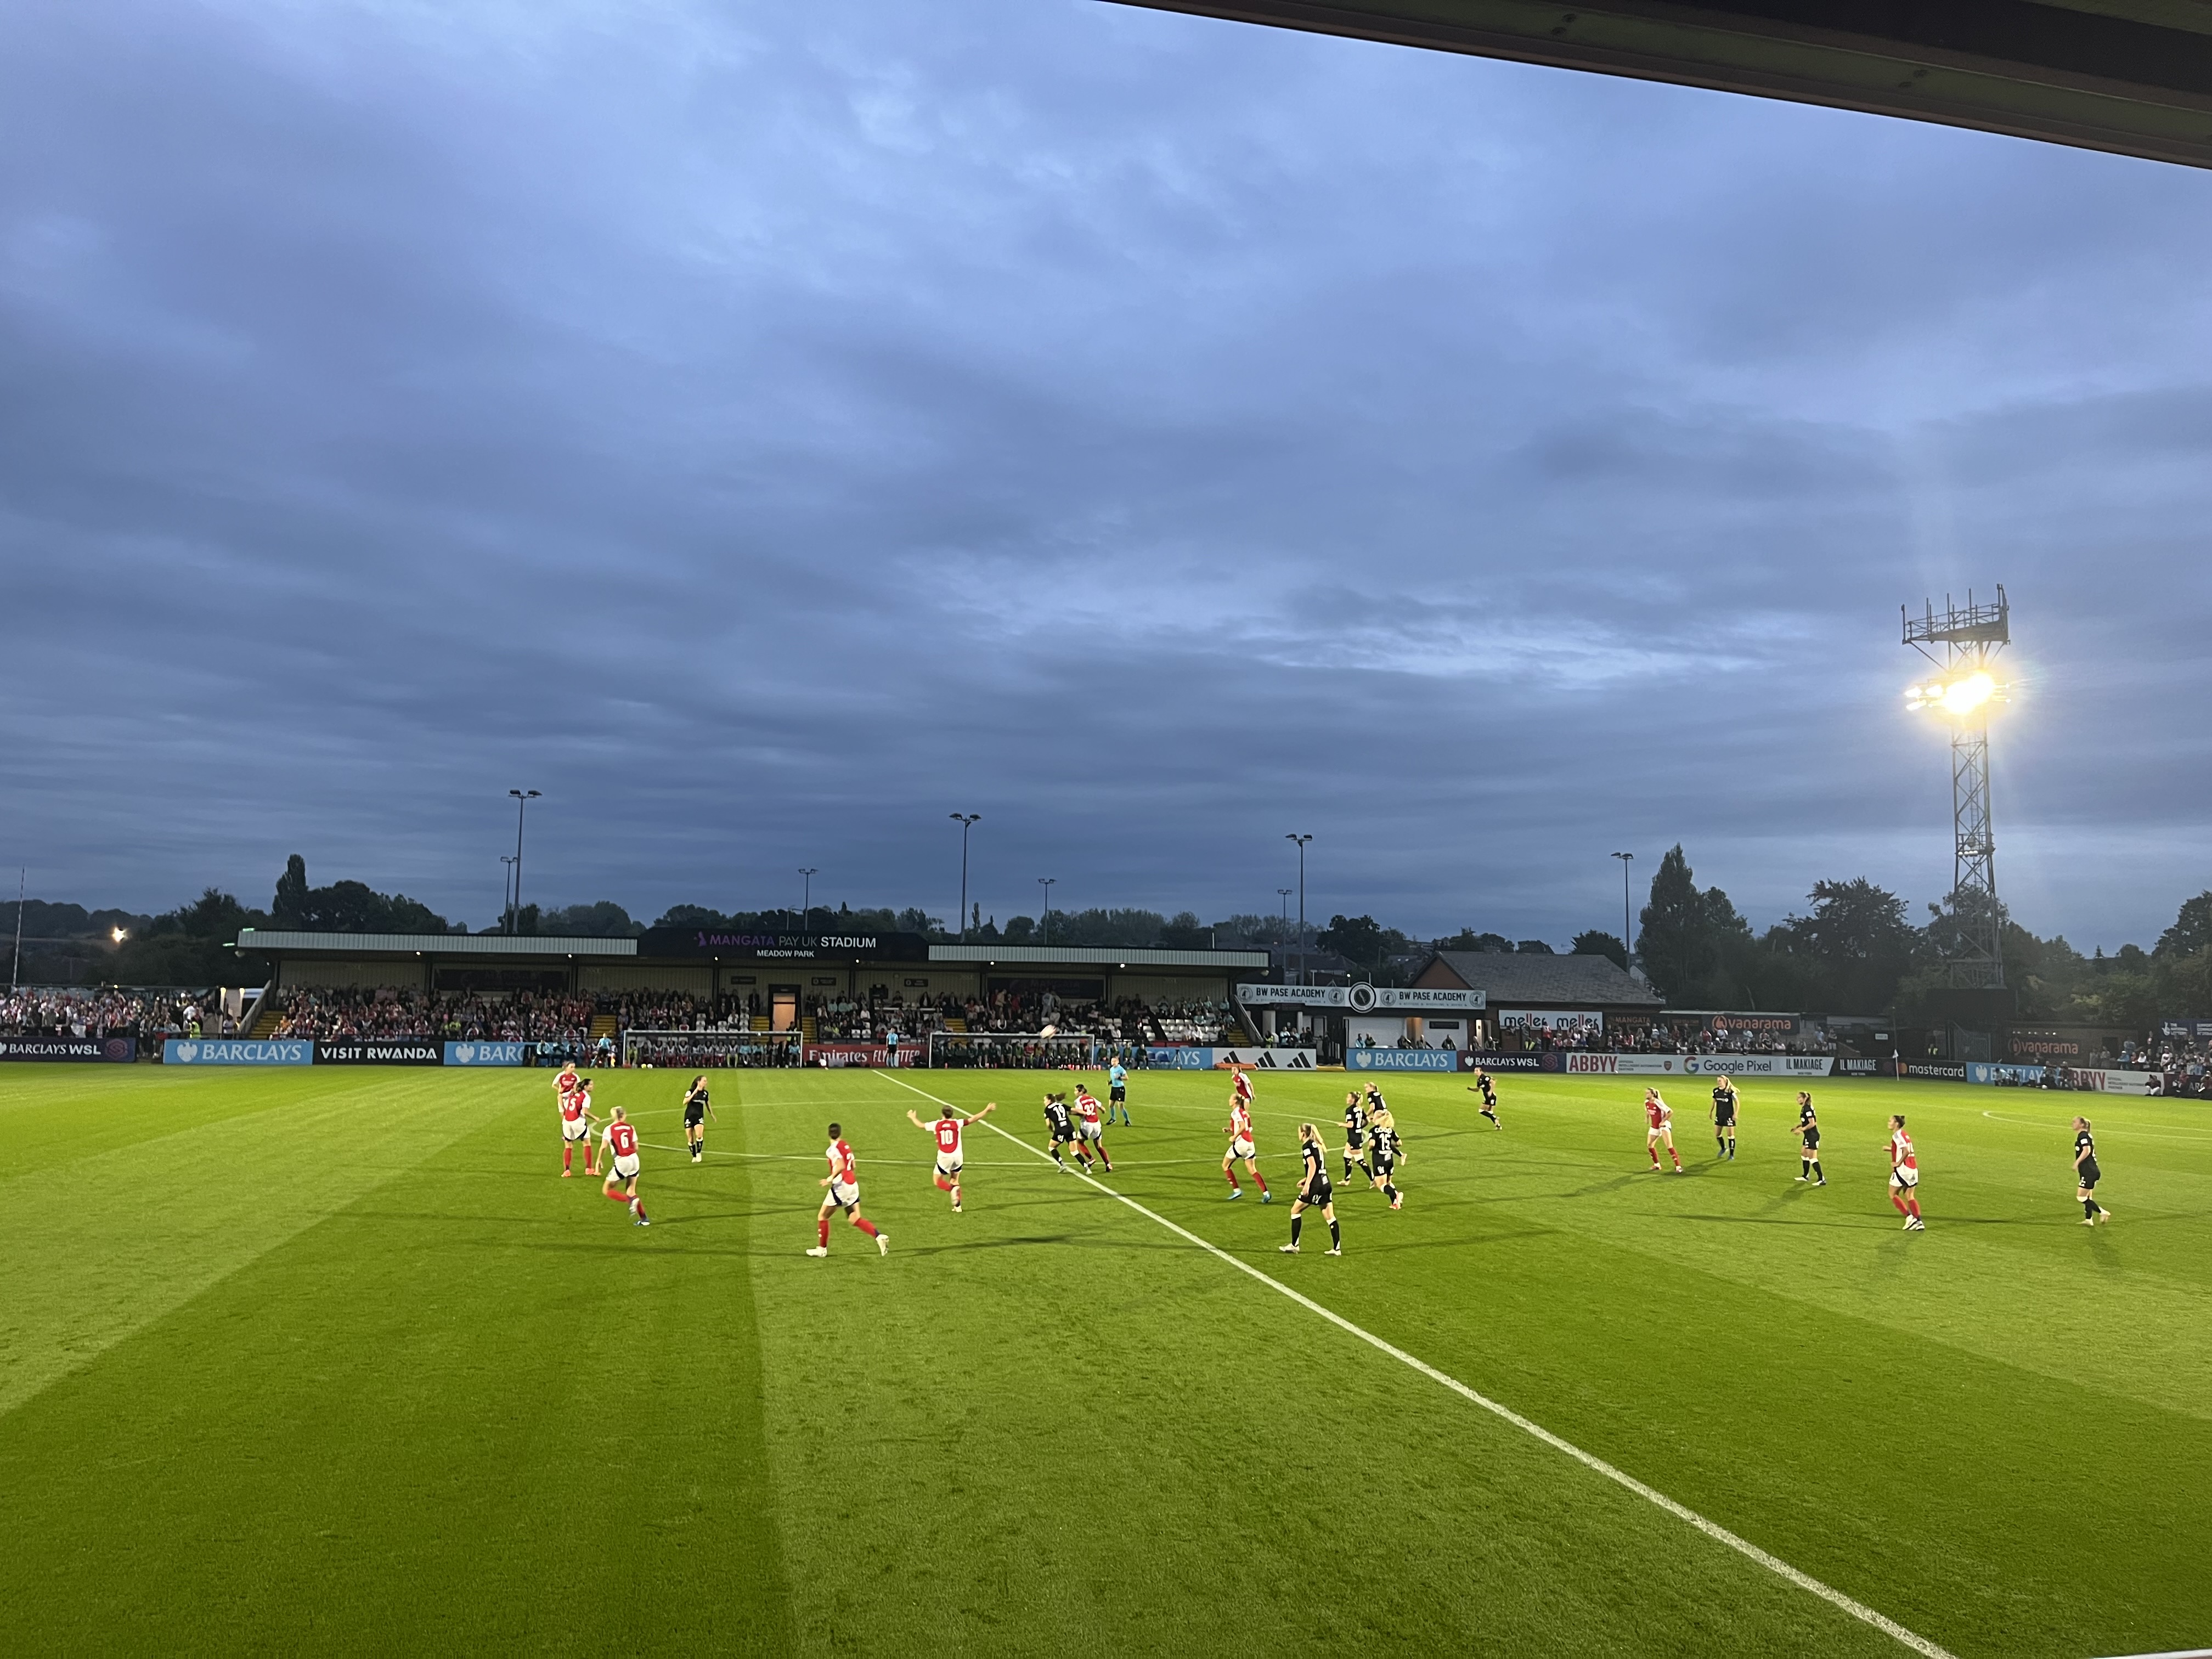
{"x": 769, "y": 430}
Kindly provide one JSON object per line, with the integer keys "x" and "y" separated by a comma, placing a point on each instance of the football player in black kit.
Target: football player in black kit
{"x": 1724, "y": 1118}
{"x": 1383, "y": 1153}
{"x": 1808, "y": 1136}
{"x": 1314, "y": 1192}
{"x": 2086, "y": 1175}
{"x": 1482, "y": 1085}
{"x": 696, "y": 1111}
{"x": 1061, "y": 1123}
{"x": 1355, "y": 1135}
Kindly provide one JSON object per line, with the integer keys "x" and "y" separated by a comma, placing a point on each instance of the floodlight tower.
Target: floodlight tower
{"x": 1964, "y": 640}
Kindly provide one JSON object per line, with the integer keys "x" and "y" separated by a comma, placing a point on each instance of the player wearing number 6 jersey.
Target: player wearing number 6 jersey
{"x": 620, "y": 1138}
{"x": 947, "y": 1130}
{"x": 844, "y": 1181}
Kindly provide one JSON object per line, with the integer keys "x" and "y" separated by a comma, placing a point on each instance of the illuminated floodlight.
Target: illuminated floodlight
{"x": 1960, "y": 696}
{"x": 117, "y": 935}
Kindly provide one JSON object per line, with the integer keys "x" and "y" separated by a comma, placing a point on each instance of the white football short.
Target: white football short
{"x": 1086, "y": 1132}
{"x": 1903, "y": 1177}
{"x": 845, "y": 1193}
{"x": 1240, "y": 1149}
{"x": 626, "y": 1167}
{"x": 578, "y": 1130}
{"x": 947, "y": 1166}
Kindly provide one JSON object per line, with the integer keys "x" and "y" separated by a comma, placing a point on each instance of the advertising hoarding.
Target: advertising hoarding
{"x": 486, "y": 1053}
{"x": 379, "y": 1051}
{"x": 48, "y": 1045}
{"x": 227, "y": 1051}
{"x": 1401, "y": 1060}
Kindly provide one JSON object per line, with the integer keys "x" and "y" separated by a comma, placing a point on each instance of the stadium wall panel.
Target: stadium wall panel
{"x": 696, "y": 978}
{"x": 308, "y": 972}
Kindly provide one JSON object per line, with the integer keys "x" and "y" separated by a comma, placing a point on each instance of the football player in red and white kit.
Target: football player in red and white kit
{"x": 1088, "y": 1134}
{"x": 947, "y": 1127}
{"x": 575, "y": 1125}
{"x": 621, "y": 1137}
{"x": 844, "y": 1181}
{"x": 1659, "y": 1120}
{"x": 1241, "y": 1143}
{"x": 565, "y": 1084}
{"x": 1905, "y": 1177}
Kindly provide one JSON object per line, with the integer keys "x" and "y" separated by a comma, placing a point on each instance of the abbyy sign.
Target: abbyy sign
{"x": 1401, "y": 1060}
{"x": 859, "y": 1054}
{"x": 1580, "y": 1064}
{"x": 118, "y": 1050}
{"x": 1473, "y": 1059}
{"x": 194, "y": 1051}
{"x": 1757, "y": 1065}
{"x": 485, "y": 1054}
{"x": 1266, "y": 1060}
{"x": 379, "y": 1051}
{"x": 2115, "y": 1083}
{"x": 1361, "y": 998}
{"x": 1547, "y": 1019}
{"x": 783, "y": 947}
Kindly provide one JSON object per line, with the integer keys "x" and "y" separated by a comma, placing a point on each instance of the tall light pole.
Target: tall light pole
{"x": 967, "y": 821}
{"x": 506, "y": 888}
{"x": 1964, "y": 640}
{"x": 1044, "y": 932}
{"x": 806, "y": 898}
{"x": 522, "y": 800}
{"x": 1301, "y": 841}
{"x": 1283, "y": 893}
{"x": 1627, "y": 939}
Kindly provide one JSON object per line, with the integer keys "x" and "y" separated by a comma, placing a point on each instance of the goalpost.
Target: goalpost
{"x": 702, "y": 1051}
{"x": 1030, "y": 1051}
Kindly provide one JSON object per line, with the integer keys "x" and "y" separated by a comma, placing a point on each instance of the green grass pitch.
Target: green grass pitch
{"x": 334, "y": 1360}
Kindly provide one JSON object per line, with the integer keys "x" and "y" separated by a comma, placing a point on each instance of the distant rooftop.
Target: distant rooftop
{"x": 443, "y": 945}
{"x": 1530, "y": 979}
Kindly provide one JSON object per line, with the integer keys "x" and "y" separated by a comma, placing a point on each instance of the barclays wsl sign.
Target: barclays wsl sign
{"x": 192, "y": 1051}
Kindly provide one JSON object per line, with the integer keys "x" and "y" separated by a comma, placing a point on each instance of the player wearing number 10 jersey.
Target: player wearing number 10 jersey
{"x": 947, "y": 1129}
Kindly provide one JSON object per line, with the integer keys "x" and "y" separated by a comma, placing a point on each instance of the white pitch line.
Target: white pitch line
{"x": 1774, "y": 1564}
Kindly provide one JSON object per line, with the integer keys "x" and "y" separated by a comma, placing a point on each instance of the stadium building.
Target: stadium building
{"x": 1524, "y": 993}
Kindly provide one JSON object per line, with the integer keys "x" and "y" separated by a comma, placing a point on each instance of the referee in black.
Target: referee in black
{"x": 2085, "y": 1174}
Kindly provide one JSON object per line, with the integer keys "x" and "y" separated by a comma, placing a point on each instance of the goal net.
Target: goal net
{"x": 1027, "y": 1051}
{"x": 702, "y": 1051}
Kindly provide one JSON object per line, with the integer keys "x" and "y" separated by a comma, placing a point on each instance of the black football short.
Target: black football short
{"x": 1117, "y": 1093}
{"x": 1319, "y": 1194}
{"x": 2089, "y": 1173}
{"x": 1724, "y": 1117}
{"x": 1812, "y": 1140}
{"x": 694, "y": 1116}
{"x": 1061, "y": 1135}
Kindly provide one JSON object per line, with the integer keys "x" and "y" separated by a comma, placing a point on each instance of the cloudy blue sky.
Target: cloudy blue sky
{"x": 769, "y": 430}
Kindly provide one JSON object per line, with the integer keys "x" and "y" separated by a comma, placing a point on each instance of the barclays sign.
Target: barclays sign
{"x": 180, "y": 1051}
{"x": 1401, "y": 1060}
{"x": 484, "y": 1054}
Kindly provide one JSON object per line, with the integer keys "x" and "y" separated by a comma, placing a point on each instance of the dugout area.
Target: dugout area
{"x": 334, "y": 1360}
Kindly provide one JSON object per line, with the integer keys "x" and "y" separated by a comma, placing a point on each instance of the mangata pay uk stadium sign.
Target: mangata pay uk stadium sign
{"x": 730, "y": 944}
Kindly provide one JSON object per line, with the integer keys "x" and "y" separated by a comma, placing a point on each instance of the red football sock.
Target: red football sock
{"x": 619, "y": 1198}
{"x": 943, "y": 1185}
{"x": 1232, "y": 1174}
{"x": 1913, "y": 1204}
{"x": 865, "y": 1225}
{"x": 567, "y": 1155}
{"x": 1897, "y": 1200}
{"x": 825, "y": 1230}
{"x": 1259, "y": 1181}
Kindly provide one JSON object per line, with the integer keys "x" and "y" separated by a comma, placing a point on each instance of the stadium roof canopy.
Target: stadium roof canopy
{"x": 442, "y": 944}
{"x": 1531, "y": 981}
{"x": 2133, "y": 77}
{"x": 1002, "y": 955}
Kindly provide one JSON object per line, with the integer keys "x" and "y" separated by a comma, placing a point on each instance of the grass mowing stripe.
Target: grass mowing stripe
{"x": 1713, "y": 1530}
{"x": 90, "y": 1261}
